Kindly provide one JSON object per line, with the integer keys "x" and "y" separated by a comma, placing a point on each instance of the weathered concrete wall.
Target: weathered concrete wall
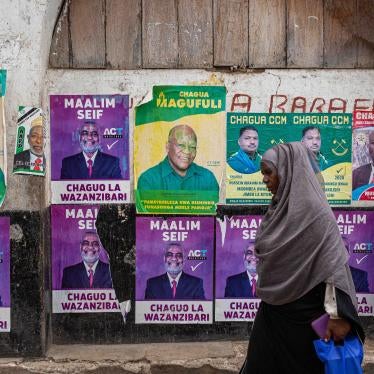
{"x": 25, "y": 34}
{"x": 253, "y": 91}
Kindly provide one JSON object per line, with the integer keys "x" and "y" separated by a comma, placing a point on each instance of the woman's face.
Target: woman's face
{"x": 270, "y": 176}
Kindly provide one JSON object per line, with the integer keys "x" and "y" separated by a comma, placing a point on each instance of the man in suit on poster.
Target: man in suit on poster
{"x": 244, "y": 284}
{"x": 175, "y": 283}
{"x": 91, "y": 163}
{"x": 90, "y": 272}
{"x": 364, "y": 174}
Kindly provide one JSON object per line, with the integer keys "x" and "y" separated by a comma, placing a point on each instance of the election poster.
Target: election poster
{"x": 249, "y": 135}
{"x": 4, "y": 274}
{"x": 29, "y": 155}
{"x": 236, "y": 275}
{"x": 363, "y": 156}
{"x": 90, "y": 149}
{"x": 174, "y": 270}
{"x": 81, "y": 278}
{"x": 179, "y": 139}
{"x": 3, "y": 151}
{"x": 356, "y": 229}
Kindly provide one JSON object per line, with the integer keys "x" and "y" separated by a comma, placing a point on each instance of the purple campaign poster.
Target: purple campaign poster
{"x": 236, "y": 275}
{"x": 4, "y": 275}
{"x": 174, "y": 270}
{"x": 81, "y": 278}
{"x": 356, "y": 228}
{"x": 90, "y": 149}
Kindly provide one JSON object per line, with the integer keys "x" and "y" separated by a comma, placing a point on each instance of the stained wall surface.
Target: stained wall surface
{"x": 25, "y": 36}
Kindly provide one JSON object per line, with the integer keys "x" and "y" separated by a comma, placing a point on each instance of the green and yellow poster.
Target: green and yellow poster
{"x": 179, "y": 142}
{"x": 249, "y": 135}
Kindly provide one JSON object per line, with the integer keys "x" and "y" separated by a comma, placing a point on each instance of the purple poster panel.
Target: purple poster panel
{"x": 174, "y": 270}
{"x": 236, "y": 275}
{"x": 356, "y": 228}
{"x": 90, "y": 149}
{"x": 4, "y": 275}
{"x": 81, "y": 279}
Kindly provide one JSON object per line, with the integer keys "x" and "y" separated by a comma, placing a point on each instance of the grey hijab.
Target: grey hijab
{"x": 298, "y": 243}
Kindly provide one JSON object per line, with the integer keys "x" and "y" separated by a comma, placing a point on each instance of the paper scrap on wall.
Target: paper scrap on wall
{"x": 4, "y": 274}
{"x": 29, "y": 155}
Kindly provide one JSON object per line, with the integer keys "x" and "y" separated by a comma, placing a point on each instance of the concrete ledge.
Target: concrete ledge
{"x": 164, "y": 358}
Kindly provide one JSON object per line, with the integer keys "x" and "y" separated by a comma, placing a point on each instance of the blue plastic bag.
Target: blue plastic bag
{"x": 341, "y": 359}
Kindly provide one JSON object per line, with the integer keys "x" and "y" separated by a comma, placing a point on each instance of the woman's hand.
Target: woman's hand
{"x": 337, "y": 329}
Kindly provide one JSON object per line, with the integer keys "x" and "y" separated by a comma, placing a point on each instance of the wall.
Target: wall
{"x": 25, "y": 38}
{"x": 254, "y": 91}
{"x": 25, "y": 33}
{"x": 129, "y": 34}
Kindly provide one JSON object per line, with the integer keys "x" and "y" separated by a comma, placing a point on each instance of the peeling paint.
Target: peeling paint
{"x": 25, "y": 38}
{"x": 214, "y": 79}
{"x": 130, "y": 258}
{"x": 16, "y": 232}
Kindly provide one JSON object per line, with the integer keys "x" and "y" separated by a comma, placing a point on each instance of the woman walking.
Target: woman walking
{"x": 303, "y": 269}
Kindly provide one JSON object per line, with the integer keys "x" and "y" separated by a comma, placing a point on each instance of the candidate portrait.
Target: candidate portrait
{"x": 246, "y": 159}
{"x": 91, "y": 272}
{"x": 244, "y": 284}
{"x": 174, "y": 283}
{"x": 91, "y": 162}
{"x": 364, "y": 174}
{"x": 311, "y": 138}
{"x": 32, "y": 158}
{"x": 177, "y": 171}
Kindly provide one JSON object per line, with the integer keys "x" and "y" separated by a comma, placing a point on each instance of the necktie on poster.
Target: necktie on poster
{"x": 91, "y": 277}
{"x": 89, "y": 162}
{"x": 3, "y": 153}
{"x": 253, "y": 282}
{"x": 174, "y": 288}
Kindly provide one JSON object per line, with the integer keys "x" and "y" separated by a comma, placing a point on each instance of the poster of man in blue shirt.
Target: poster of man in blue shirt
{"x": 311, "y": 137}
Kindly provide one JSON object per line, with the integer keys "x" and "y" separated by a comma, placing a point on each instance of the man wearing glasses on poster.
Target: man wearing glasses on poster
{"x": 174, "y": 283}
{"x": 243, "y": 284}
{"x": 91, "y": 163}
{"x": 90, "y": 272}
